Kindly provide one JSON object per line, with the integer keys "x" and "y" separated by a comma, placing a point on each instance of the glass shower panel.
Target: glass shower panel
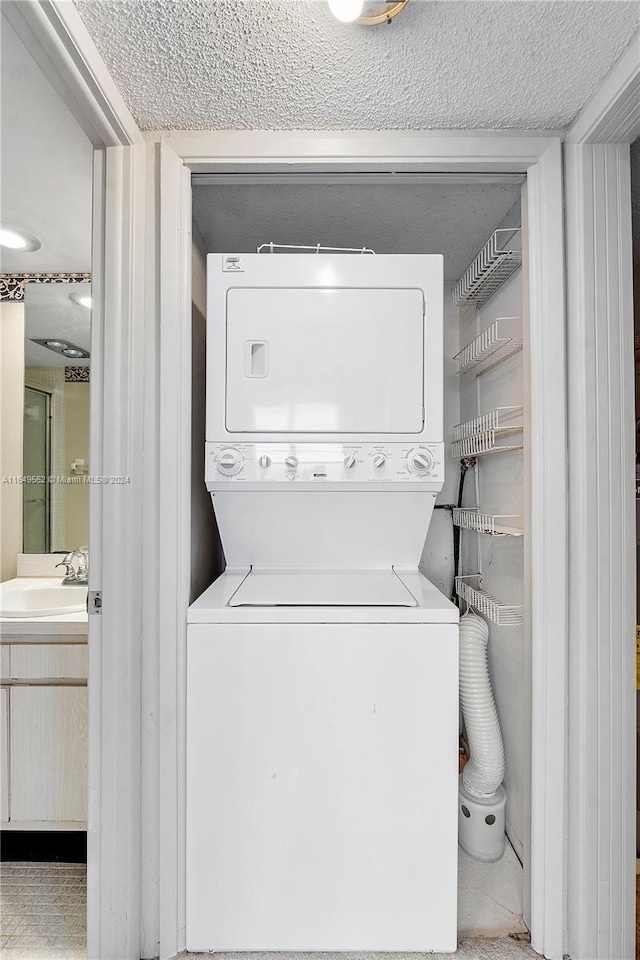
{"x": 36, "y": 508}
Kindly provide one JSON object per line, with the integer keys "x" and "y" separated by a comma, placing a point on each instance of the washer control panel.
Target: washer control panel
{"x": 324, "y": 462}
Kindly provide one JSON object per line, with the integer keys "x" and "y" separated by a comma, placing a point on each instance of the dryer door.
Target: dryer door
{"x": 325, "y": 360}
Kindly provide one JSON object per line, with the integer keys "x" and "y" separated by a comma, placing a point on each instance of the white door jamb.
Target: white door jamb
{"x": 56, "y": 36}
{"x": 602, "y": 585}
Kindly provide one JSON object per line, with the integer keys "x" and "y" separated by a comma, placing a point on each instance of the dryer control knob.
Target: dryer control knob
{"x": 291, "y": 462}
{"x": 230, "y": 461}
{"x": 422, "y": 462}
{"x": 264, "y": 461}
{"x": 380, "y": 459}
{"x": 350, "y": 461}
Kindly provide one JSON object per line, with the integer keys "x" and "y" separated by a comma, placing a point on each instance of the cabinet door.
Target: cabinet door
{"x": 49, "y": 753}
{"x": 4, "y": 754}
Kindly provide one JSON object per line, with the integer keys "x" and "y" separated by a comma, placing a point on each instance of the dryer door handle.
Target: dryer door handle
{"x": 256, "y": 358}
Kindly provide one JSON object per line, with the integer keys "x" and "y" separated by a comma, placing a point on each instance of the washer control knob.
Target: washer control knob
{"x": 379, "y": 460}
{"x": 229, "y": 461}
{"x": 350, "y": 462}
{"x": 264, "y": 461}
{"x": 291, "y": 462}
{"x": 422, "y": 462}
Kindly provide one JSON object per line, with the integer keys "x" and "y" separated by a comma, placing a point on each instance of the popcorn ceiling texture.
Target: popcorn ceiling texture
{"x": 289, "y": 65}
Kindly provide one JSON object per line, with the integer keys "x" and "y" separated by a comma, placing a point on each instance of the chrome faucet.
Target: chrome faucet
{"x": 76, "y": 564}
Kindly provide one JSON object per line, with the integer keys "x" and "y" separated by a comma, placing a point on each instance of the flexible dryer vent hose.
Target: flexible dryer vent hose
{"x": 484, "y": 772}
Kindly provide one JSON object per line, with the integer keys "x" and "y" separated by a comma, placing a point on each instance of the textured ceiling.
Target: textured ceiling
{"x": 453, "y": 219}
{"x": 288, "y": 64}
{"x": 49, "y": 312}
{"x": 46, "y": 167}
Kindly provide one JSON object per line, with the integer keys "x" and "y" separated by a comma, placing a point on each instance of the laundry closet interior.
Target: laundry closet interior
{"x": 475, "y": 550}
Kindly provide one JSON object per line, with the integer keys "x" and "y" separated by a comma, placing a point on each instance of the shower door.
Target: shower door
{"x": 36, "y": 462}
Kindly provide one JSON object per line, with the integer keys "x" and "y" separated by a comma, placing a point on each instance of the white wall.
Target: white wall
{"x": 11, "y": 417}
{"x": 206, "y": 553}
{"x": 46, "y": 167}
{"x": 499, "y": 487}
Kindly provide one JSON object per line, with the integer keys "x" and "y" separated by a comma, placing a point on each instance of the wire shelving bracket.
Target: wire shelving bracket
{"x": 496, "y": 525}
{"x": 503, "y": 614}
{"x": 491, "y": 347}
{"x": 499, "y": 258}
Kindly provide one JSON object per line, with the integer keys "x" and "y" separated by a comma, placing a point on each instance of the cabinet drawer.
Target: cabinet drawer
{"x": 48, "y": 661}
{"x": 4, "y": 661}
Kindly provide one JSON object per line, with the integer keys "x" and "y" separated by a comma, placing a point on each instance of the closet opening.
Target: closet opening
{"x": 476, "y": 550}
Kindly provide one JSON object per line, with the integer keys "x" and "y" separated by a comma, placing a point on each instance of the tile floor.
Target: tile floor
{"x": 503, "y": 948}
{"x": 490, "y": 896}
{"x": 43, "y": 912}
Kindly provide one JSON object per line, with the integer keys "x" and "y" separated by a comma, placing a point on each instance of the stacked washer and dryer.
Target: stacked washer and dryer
{"x": 322, "y": 677}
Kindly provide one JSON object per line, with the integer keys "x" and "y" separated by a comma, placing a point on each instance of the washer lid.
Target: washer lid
{"x": 322, "y": 588}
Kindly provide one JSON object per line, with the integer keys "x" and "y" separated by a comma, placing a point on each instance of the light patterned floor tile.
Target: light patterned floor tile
{"x": 42, "y": 911}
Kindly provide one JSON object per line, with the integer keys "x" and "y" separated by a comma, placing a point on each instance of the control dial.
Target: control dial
{"x": 379, "y": 460}
{"x": 350, "y": 462}
{"x": 421, "y": 462}
{"x": 291, "y": 462}
{"x": 264, "y": 461}
{"x": 230, "y": 461}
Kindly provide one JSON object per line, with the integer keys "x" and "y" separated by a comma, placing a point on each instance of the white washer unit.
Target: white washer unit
{"x": 322, "y": 677}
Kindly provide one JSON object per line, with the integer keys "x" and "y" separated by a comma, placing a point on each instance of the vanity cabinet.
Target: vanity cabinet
{"x": 44, "y": 736}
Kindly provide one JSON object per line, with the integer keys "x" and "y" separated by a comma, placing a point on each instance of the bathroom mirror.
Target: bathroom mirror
{"x": 57, "y": 324}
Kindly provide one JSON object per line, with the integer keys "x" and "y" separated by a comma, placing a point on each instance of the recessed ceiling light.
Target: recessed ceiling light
{"x": 63, "y": 347}
{"x": 15, "y": 239}
{"x": 82, "y": 298}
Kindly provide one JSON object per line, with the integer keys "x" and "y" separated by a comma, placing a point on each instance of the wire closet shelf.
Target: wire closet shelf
{"x": 496, "y": 525}
{"x": 502, "y": 614}
{"x": 491, "y": 347}
{"x": 492, "y": 432}
{"x": 499, "y": 258}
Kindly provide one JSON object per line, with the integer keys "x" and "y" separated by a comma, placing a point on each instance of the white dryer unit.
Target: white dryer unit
{"x": 322, "y": 716}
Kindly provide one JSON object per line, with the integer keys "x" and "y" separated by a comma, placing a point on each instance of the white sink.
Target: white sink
{"x": 29, "y": 597}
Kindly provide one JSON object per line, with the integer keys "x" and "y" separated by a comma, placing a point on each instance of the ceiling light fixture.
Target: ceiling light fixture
{"x": 14, "y": 239}
{"x": 63, "y": 347}
{"x": 346, "y": 10}
{"x": 82, "y": 298}
{"x": 368, "y": 13}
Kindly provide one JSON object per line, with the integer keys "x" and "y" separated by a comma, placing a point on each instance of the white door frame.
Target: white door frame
{"x": 602, "y": 584}
{"x": 57, "y": 38}
{"x": 540, "y": 157}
